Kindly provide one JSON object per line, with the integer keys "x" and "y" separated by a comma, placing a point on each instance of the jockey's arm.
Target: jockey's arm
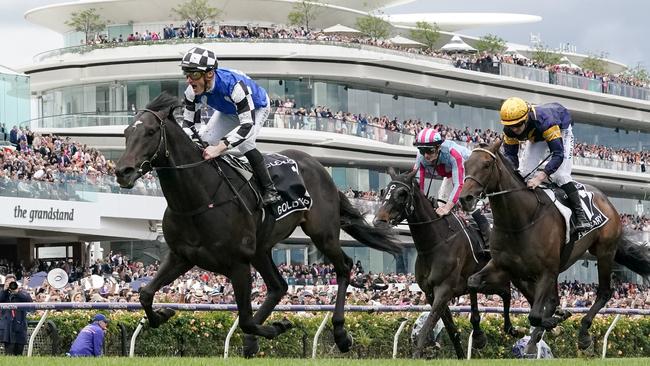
{"x": 553, "y": 137}
{"x": 243, "y": 100}
{"x": 190, "y": 115}
{"x": 457, "y": 176}
{"x": 511, "y": 149}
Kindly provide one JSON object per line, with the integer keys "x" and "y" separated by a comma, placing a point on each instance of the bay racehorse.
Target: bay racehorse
{"x": 445, "y": 259}
{"x": 206, "y": 224}
{"x": 528, "y": 238}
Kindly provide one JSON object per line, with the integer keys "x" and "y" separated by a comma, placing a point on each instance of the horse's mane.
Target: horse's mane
{"x": 506, "y": 162}
{"x": 164, "y": 100}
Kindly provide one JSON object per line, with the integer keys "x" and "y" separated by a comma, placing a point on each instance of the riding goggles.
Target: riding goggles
{"x": 428, "y": 149}
{"x": 194, "y": 75}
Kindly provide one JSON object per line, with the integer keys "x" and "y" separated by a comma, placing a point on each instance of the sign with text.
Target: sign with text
{"x": 27, "y": 212}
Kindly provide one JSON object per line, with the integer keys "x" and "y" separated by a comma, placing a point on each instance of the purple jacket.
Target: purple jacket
{"x": 89, "y": 342}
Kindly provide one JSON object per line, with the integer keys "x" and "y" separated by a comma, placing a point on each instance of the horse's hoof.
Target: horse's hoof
{"x": 585, "y": 343}
{"x": 515, "y": 332}
{"x": 251, "y": 346}
{"x": 557, "y": 330}
{"x": 164, "y": 315}
{"x": 479, "y": 340}
{"x": 344, "y": 343}
{"x": 282, "y": 325}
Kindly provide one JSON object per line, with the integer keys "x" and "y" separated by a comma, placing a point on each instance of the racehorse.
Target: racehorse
{"x": 445, "y": 259}
{"x": 206, "y": 222}
{"x": 528, "y": 239}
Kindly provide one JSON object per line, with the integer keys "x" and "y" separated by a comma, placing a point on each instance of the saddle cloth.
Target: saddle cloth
{"x": 561, "y": 201}
{"x": 287, "y": 179}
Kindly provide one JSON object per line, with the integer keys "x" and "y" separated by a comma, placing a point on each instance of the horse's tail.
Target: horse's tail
{"x": 633, "y": 256}
{"x": 353, "y": 223}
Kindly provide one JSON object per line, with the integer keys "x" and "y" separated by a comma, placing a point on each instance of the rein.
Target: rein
{"x": 536, "y": 216}
{"x": 408, "y": 209}
{"x": 163, "y": 142}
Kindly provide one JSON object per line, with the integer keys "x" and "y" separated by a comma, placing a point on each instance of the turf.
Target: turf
{"x": 120, "y": 361}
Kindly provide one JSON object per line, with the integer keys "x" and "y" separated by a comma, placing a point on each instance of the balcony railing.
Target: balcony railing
{"x": 512, "y": 70}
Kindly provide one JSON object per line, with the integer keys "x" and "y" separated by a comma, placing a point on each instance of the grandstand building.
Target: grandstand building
{"x": 90, "y": 92}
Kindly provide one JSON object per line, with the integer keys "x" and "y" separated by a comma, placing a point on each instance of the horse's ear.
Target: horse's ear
{"x": 496, "y": 145}
{"x": 411, "y": 175}
{"x": 391, "y": 171}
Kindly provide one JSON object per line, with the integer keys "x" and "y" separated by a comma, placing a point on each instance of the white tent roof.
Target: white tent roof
{"x": 564, "y": 61}
{"x": 512, "y": 51}
{"x": 405, "y": 41}
{"x": 457, "y": 45}
{"x": 340, "y": 29}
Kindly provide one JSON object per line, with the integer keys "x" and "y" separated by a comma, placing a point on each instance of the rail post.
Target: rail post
{"x": 32, "y": 338}
{"x": 137, "y": 331}
{"x": 396, "y": 337}
{"x": 317, "y": 335}
{"x": 226, "y": 345}
{"x": 609, "y": 330}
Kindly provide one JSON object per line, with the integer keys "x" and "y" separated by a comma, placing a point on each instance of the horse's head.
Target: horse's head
{"x": 481, "y": 174}
{"x": 398, "y": 201}
{"x": 145, "y": 140}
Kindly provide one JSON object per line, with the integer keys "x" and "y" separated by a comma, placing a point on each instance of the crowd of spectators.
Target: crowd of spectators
{"x": 484, "y": 62}
{"x": 314, "y": 284}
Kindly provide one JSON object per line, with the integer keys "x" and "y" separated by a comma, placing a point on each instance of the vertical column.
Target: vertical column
{"x": 25, "y": 250}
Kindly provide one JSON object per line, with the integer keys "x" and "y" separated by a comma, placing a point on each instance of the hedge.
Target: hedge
{"x": 203, "y": 334}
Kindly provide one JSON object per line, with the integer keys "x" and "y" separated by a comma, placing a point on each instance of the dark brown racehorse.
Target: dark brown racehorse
{"x": 206, "y": 224}
{"x": 445, "y": 259}
{"x": 528, "y": 239}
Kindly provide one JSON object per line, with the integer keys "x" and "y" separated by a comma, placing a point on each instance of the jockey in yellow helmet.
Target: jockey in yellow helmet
{"x": 544, "y": 126}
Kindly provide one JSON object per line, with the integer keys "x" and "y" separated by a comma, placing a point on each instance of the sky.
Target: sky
{"x": 616, "y": 28}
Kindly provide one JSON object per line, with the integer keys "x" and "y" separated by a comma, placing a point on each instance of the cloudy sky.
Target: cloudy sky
{"x": 617, "y": 28}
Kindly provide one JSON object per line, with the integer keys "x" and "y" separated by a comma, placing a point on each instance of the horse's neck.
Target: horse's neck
{"x": 514, "y": 209}
{"x": 426, "y": 236}
{"x": 187, "y": 188}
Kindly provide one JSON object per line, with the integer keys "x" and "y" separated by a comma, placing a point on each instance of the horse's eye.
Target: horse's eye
{"x": 486, "y": 164}
{"x": 151, "y": 132}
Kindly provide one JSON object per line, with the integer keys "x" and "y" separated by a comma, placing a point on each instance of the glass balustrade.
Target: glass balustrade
{"x": 505, "y": 69}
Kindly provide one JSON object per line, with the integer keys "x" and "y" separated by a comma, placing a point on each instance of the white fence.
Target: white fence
{"x": 48, "y": 306}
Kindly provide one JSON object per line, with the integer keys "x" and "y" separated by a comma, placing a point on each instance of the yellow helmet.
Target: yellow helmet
{"x": 513, "y": 111}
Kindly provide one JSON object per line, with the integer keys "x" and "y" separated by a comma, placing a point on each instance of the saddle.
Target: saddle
{"x": 561, "y": 201}
{"x": 285, "y": 175}
{"x": 478, "y": 244}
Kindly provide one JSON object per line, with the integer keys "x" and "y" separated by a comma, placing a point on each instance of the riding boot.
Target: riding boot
{"x": 269, "y": 193}
{"x": 484, "y": 227}
{"x": 581, "y": 221}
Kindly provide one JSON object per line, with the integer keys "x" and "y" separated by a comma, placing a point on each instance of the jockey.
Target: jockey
{"x": 241, "y": 108}
{"x": 545, "y": 125}
{"x": 445, "y": 158}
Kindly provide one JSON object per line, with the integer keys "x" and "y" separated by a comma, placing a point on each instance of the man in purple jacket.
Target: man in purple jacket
{"x": 90, "y": 340}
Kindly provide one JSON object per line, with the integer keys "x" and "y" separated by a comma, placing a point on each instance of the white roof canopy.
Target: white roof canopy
{"x": 457, "y": 45}
{"x": 403, "y": 41}
{"x": 340, "y": 29}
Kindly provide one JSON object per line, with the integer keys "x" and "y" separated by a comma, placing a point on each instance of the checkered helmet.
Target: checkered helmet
{"x": 199, "y": 59}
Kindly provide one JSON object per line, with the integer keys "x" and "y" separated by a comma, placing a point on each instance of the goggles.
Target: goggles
{"x": 428, "y": 149}
{"x": 194, "y": 75}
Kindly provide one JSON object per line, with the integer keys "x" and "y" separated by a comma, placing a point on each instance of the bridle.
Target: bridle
{"x": 147, "y": 165}
{"x": 409, "y": 208}
{"x": 493, "y": 167}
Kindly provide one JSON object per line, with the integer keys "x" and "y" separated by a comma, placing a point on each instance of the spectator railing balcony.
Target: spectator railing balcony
{"x": 505, "y": 69}
{"x": 523, "y": 72}
{"x": 82, "y": 120}
{"x": 356, "y": 45}
{"x": 626, "y": 90}
{"x": 576, "y": 81}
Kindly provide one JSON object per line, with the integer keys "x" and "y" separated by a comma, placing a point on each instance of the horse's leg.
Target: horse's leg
{"x": 448, "y": 320}
{"x": 277, "y": 288}
{"x": 423, "y": 336}
{"x": 443, "y": 294}
{"x": 170, "y": 269}
{"x": 484, "y": 281}
{"x": 327, "y": 241}
{"x": 603, "y": 294}
{"x": 241, "y": 284}
{"x": 342, "y": 266}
